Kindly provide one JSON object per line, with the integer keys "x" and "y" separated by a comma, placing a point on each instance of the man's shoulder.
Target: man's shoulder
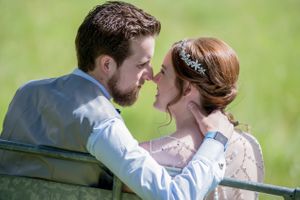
{"x": 37, "y": 83}
{"x": 46, "y": 82}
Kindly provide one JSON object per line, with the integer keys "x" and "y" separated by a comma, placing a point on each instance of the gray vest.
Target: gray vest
{"x": 59, "y": 112}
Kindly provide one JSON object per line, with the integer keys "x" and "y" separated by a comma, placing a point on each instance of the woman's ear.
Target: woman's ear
{"x": 191, "y": 92}
{"x": 187, "y": 89}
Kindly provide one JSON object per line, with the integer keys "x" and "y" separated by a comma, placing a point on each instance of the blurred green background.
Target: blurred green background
{"x": 37, "y": 41}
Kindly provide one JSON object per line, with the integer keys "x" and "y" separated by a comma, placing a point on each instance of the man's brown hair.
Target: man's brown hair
{"x": 108, "y": 29}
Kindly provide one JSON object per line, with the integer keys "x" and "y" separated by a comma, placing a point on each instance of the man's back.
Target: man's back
{"x": 54, "y": 112}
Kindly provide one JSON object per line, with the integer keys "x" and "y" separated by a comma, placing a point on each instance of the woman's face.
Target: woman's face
{"x": 165, "y": 81}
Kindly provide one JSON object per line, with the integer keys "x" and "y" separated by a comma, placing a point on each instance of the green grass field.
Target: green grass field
{"x": 37, "y": 41}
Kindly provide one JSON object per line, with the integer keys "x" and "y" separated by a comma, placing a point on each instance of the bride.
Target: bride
{"x": 205, "y": 71}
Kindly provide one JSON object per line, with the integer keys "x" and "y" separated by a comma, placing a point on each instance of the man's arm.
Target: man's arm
{"x": 114, "y": 146}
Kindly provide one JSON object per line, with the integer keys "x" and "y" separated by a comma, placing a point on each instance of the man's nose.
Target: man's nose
{"x": 149, "y": 74}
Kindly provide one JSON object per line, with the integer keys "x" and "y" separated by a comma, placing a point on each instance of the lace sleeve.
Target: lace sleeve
{"x": 244, "y": 162}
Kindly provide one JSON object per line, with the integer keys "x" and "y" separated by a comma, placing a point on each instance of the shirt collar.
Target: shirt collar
{"x": 86, "y": 76}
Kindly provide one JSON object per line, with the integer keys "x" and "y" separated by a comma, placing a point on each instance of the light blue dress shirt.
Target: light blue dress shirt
{"x": 113, "y": 145}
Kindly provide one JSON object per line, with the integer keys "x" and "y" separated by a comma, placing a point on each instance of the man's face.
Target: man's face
{"x": 127, "y": 81}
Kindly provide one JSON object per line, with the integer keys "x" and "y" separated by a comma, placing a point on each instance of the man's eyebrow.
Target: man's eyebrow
{"x": 145, "y": 59}
{"x": 144, "y": 62}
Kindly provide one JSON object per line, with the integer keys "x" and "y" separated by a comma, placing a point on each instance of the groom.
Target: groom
{"x": 114, "y": 45}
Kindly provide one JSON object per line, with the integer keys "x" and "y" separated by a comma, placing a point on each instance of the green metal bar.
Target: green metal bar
{"x": 49, "y": 151}
{"x": 117, "y": 189}
{"x": 285, "y": 192}
{"x": 297, "y": 194}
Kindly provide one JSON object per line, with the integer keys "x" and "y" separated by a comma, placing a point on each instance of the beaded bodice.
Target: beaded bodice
{"x": 243, "y": 159}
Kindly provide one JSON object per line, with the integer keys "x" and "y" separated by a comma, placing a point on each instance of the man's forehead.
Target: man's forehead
{"x": 142, "y": 48}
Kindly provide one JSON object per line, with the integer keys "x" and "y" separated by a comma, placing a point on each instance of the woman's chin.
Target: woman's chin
{"x": 157, "y": 106}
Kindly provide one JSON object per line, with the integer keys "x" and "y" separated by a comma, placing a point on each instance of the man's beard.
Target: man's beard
{"x": 123, "y": 98}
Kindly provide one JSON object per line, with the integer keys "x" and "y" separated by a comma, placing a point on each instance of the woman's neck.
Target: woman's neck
{"x": 185, "y": 123}
{"x": 187, "y": 129}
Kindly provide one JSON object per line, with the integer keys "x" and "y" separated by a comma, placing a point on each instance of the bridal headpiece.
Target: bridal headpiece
{"x": 193, "y": 64}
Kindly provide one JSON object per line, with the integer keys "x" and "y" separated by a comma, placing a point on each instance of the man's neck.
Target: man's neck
{"x": 100, "y": 79}
{"x": 91, "y": 78}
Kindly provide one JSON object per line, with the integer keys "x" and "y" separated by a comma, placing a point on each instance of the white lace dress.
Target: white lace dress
{"x": 243, "y": 159}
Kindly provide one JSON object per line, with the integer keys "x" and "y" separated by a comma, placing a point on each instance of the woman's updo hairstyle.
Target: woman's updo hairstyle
{"x": 217, "y": 79}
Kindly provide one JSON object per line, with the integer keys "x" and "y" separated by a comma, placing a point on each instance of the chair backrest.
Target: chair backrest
{"x": 16, "y": 187}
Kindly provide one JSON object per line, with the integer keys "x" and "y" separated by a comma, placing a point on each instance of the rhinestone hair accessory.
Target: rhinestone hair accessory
{"x": 195, "y": 65}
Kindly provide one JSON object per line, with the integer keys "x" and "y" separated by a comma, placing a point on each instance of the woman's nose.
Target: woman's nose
{"x": 156, "y": 78}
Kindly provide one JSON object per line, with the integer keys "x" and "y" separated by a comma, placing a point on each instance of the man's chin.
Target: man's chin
{"x": 124, "y": 103}
{"x": 126, "y": 100}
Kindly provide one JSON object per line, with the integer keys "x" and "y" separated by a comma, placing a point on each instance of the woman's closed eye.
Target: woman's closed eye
{"x": 163, "y": 69}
